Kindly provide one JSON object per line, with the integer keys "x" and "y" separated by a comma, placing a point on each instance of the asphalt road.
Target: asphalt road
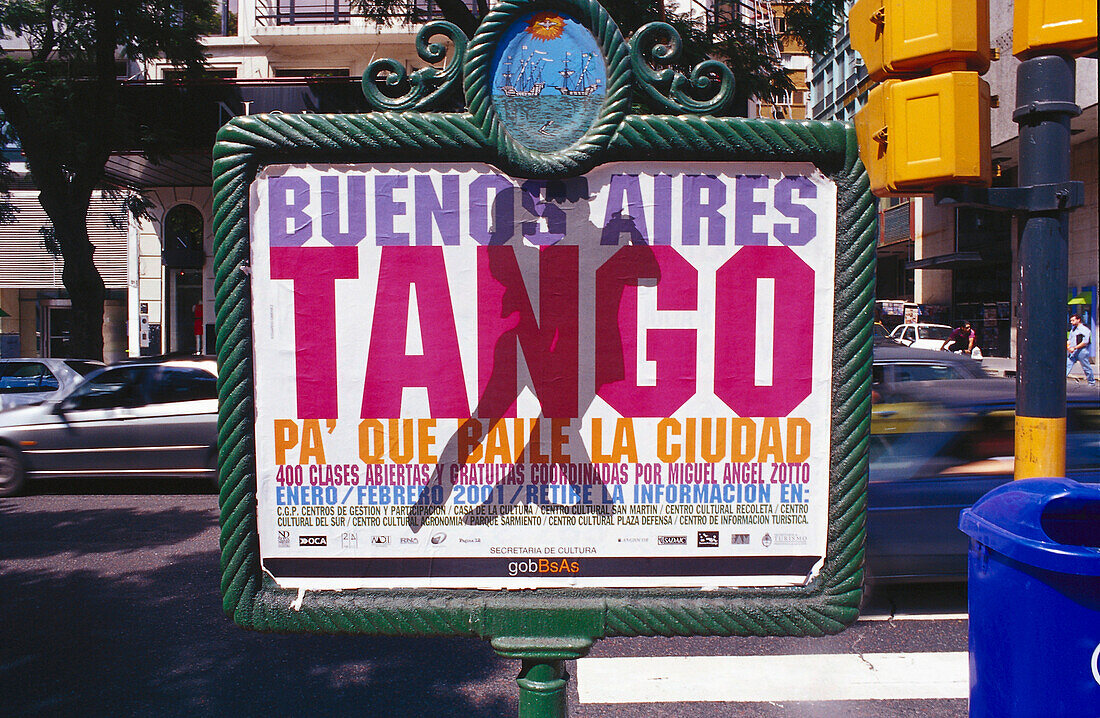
{"x": 111, "y": 607}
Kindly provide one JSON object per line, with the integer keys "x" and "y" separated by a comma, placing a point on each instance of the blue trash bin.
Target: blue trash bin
{"x": 1034, "y": 595}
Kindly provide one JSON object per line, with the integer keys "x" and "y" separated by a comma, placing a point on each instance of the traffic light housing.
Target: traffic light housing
{"x": 1042, "y": 27}
{"x": 900, "y": 38}
{"x": 917, "y": 134}
{"x": 927, "y": 123}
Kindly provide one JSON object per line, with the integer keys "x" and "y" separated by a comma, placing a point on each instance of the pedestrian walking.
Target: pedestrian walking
{"x": 1078, "y": 347}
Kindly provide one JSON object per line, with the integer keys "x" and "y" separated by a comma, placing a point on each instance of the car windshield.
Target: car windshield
{"x": 26, "y": 376}
{"x": 83, "y": 368}
{"x": 925, "y": 372}
{"x": 113, "y": 388}
{"x": 176, "y": 383}
{"x": 940, "y": 334}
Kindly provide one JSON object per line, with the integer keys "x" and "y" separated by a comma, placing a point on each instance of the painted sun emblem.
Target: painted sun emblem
{"x": 546, "y": 26}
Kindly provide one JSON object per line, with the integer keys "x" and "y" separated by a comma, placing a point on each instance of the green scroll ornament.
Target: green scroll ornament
{"x": 426, "y": 88}
{"x": 672, "y": 90}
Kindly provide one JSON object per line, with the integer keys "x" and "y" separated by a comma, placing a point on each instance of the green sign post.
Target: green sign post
{"x": 681, "y": 451}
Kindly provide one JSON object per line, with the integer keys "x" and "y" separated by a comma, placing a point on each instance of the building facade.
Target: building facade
{"x": 960, "y": 264}
{"x": 273, "y": 56}
{"x": 35, "y": 312}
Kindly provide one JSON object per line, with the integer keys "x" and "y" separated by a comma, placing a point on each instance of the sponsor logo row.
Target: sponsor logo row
{"x": 350, "y": 539}
{"x": 712, "y": 539}
{"x": 703, "y": 539}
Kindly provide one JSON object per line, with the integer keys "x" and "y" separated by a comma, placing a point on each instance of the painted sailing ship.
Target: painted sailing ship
{"x": 528, "y": 81}
{"x": 577, "y": 88}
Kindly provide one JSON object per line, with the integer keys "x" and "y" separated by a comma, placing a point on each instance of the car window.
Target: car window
{"x": 83, "y": 368}
{"x": 121, "y": 387}
{"x": 907, "y": 438}
{"x": 26, "y": 376}
{"x": 1083, "y": 437}
{"x": 907, "y": 334}
{"x": 878, "y": 374}
{"x": 925, "y": 372}
{"x": 941, "y": 334}
{"x": 183, "y": 384}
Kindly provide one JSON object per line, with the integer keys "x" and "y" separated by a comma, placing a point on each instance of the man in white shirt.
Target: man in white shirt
{"x": 1078, "y": 346}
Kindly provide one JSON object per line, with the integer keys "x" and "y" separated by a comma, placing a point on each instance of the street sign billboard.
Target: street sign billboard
{"x": 543, "y": 375}
{"x": 469, "y": 380}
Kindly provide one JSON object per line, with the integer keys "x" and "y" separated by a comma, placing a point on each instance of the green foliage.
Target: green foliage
{"x": 7, "y": 210}
{"x": 49, "y": 239}
{"x": 813, "y": 23}
{"x": 59, "y": 94}
{"x": 70, "y": 31}
{"x": 131, "y": 204}
{"x": 63, "y": 84}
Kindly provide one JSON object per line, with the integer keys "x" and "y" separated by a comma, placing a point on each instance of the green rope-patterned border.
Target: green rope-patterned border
{"x": 826, "y": 606}
{"x": 517, "y": 159}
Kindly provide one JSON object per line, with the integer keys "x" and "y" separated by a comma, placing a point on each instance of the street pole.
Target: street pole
{"x": 1045, "y": 103}
{"x": 542, "y": 684}
{"x": 543, "y": 680}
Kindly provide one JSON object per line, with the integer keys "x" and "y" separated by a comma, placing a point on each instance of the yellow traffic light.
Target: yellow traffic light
{"x": 943, "y": 123}
{"x": 917, "y": 134}
{"x": 904, "y": 37}
{"x": 871, "y": 134}
{"x": 1045, "y": 26}
{"x": 927, "y": 124}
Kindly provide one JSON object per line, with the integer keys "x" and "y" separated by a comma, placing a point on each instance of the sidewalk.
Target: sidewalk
{"x": 1001, "y": 366}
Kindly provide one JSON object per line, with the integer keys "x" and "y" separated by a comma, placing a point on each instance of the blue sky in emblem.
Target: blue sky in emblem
{"x": 548, "y": 54}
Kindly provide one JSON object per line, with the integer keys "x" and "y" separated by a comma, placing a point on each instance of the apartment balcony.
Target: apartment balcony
{"x": 278, "y": 13}
{"x": 330, "y": 22}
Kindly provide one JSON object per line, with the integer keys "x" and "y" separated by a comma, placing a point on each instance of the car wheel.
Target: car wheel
{"x": 12, "y": 472}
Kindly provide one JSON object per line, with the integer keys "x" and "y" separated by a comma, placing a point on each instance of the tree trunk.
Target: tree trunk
{"x": 459, "y": 13}
{"x": 80, "y": 276}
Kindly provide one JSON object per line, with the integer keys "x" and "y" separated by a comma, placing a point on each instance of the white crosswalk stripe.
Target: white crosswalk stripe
{"x": 916, "y": 617}
{"x": 810, "y": 677}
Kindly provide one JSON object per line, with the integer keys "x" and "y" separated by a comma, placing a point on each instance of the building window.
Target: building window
{"x": 183, "y": 230}
{"x": 220, "y": 73}
{"x": 303, "y": 12}
{"x": 315, "y": 72}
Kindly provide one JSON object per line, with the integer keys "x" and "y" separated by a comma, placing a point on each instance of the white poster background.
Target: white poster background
{"x": 356, "y": 530}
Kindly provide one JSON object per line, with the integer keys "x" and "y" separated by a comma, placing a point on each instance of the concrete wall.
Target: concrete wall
{"x": 1002, "y": 80}
{"x": 152, "y": 286}
{"x": 933, "y": 235}
{"x": 1084, "y": 262}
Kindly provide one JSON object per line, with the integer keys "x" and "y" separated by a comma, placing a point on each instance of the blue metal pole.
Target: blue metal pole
{"x": 1045, "y": 89}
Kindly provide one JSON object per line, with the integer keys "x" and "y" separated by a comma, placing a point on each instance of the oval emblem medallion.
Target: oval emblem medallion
{"x": 549, "y": 81}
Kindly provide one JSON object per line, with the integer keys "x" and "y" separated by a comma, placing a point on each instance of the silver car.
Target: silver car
{"x": 147, "y": 418}
{"x": 35, "y": 379}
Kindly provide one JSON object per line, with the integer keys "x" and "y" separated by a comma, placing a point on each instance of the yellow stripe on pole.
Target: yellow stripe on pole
{"x": 1040, "y": 447}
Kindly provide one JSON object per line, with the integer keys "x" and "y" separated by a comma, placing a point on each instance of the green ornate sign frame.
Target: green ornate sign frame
{"x": 546, "y": 625}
